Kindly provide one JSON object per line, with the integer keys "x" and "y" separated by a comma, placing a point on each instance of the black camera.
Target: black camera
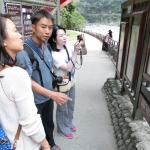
{"x": 79, "y": 37}
{"x": 56, "y": 80}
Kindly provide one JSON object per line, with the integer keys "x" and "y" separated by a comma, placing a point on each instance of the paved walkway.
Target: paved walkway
{"x": 92, "y": 118}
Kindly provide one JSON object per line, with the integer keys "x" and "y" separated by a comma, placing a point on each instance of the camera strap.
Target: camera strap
{"x": 68, "y": 60}
{"x": 35, "y": 48}
{"x": 81, "y": 60}
{"x": 29, "y": 51}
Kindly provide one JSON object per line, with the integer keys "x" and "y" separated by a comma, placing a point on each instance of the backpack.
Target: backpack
{"x": 28, "y": 47}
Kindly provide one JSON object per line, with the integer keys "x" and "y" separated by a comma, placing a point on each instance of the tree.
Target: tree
{"x": 71, "y": 18}
{"x": 77, "y": 20}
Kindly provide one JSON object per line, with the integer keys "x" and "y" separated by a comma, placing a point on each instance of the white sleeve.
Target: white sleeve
{"x": 23, "y": 96}
{"x": 70, "y": 48}
{"x": 58, "y": 60}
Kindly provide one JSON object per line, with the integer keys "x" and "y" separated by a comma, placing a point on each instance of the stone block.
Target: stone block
{"x": 143, "y": 146}
{"x": 123, "y": 147}
{"x": 128, "y": 119}
{"x": 121, "y": 124}
{"x": 118, "y": 110}
{"x": 119, "y": 114}
{"x": 124, "y": 130}
{"x": 130, "y": 146}
{"x": 115, "y": 120}
{"x": 126, "y": 135}
{"x": 118, "y": 132}
{"x": 125, "y": 106}
{"x": 132, "y": 124}
{"x": 121, "y": 120}
{"x": 116, "y": 128}
{"x": 137, "y": 136}
{"x": 127, "y": 142}
{"x": 114, "y": 116}
{"x": 124, "y": 126}
{"x": 120, "y": 143}
{"x": 119, "y": 137}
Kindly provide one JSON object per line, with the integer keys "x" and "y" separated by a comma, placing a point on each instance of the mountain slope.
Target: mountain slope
{"x": 103, "y": 11}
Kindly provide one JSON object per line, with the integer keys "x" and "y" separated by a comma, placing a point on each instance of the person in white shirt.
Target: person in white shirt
{"x": 62, "y": 66}
{"x": 16, "y": 97}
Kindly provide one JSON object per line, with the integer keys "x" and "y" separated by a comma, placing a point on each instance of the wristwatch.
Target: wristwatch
{"x": 82, "y": 45}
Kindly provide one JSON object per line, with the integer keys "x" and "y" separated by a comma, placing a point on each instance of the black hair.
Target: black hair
{"x": 110, "y": 33}
{"x": 37, "y": 15}
{"x": 5, "y": 58}
{"x": 53, "y": 37}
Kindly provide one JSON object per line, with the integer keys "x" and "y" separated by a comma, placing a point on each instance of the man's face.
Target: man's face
{"x": 42, "y": 29}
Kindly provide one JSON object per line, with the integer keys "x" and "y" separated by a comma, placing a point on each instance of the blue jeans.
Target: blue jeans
{"x": 64, "y": 113}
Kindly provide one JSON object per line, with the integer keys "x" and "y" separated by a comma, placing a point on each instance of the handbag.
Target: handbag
{"x": 64, "y": 86}
{"x": 4, "y": 141}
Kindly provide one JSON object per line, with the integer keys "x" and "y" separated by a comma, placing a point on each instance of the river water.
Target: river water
{"x": 103, "y": 29}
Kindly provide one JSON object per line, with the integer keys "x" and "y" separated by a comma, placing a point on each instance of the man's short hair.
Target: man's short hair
{"x": 37, "y": 15}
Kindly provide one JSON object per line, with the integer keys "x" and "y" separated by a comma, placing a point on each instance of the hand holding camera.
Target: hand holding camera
{"x": 79, "y": 37}
{"x": 77, "y": 46}
{"x": 81, "y": 40}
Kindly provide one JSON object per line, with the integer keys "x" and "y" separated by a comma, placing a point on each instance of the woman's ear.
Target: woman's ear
{"x": 4, "y": 44}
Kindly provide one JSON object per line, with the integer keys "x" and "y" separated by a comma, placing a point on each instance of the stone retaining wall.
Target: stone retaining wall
{"x": 130, "y": 134}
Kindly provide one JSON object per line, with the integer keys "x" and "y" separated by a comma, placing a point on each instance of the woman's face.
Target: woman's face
{"x": 61, "y": 38}
{"x": 13, "y": 42}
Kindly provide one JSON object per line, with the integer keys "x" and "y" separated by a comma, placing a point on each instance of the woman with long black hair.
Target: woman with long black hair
{"x": 16, "y": 97}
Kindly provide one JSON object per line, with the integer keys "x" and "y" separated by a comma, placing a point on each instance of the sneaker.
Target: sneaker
{"x": 73, "y": 129}
{"x": 56, "y": 147}
{"x": 67, "y": 136}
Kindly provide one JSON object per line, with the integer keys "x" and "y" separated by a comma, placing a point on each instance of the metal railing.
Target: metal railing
{"x": 112, "y": 44}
